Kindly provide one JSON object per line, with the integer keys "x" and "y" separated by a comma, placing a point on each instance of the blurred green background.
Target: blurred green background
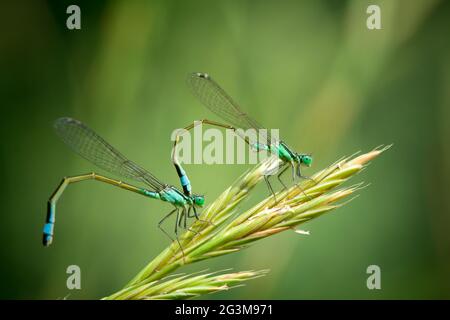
{"x": 310, "y": 68}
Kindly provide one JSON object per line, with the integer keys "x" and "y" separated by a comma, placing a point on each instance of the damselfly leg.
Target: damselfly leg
{"x": 177, "y": 210}
{"x": 266, "y": 178}
{"x": 280, "y": 174}
{"x": 185, "y": 216}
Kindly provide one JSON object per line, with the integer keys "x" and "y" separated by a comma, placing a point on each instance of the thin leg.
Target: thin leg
{"x": 162, "y": 220}
{"x": 298, "y": 185}
{"x": 270, "y": 187}
{"x": 181, "y": 218}
{"x": 293, "y": 171}
{"x": 279, "y": 177}
{"x": 303, "y": 191}
{"x": 51, "y": 205}
{"x": 176, "y": 231}
{"x": 186, "y": 216}
{"x": 192, "y": 215}
{"x": 299, "y": 174}
{"x": 178, "y": 218}
{"x": 176, "y": 222}
{"x": 195, "y": 215}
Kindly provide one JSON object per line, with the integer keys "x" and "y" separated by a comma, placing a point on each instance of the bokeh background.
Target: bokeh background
{"x": 310, "y": 68}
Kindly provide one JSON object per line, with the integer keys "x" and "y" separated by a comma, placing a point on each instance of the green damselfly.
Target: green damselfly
{"x": 219, "y": 102}
{"x": 94, "y": 148}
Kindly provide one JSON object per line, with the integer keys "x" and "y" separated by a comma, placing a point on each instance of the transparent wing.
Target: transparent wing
{"x": 94, "y": 148}
{"x": 219, "y": 102}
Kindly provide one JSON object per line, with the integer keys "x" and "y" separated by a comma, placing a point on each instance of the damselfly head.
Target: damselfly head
{"x": 306, "y": 159}
{"x": 199, "y": 200}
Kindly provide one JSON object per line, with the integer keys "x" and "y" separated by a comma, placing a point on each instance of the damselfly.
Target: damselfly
{"x": 220, "y": 103}
{"x": 94, "y": 148}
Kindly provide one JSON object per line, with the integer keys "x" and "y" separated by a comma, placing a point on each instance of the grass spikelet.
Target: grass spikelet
{"x": 230, "y": 230}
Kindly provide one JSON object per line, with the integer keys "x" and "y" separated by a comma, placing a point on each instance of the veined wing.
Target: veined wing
{"x": 219, "y": 102}
{"x": 94, "y": 148}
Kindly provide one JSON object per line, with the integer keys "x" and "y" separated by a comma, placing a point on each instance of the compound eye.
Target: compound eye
{"x": 200, "y": 201}
{"x": 307, "y": 160}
